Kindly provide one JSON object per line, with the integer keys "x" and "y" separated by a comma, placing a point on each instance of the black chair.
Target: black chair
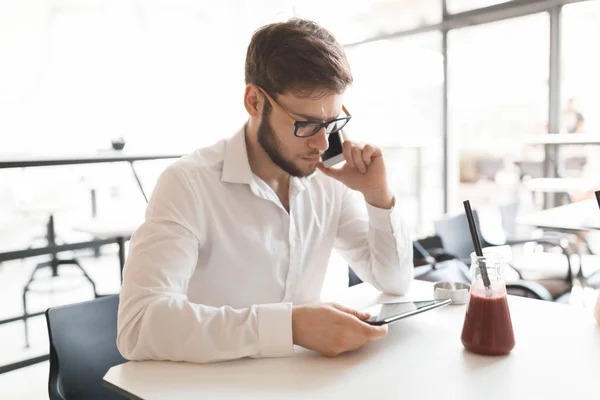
{"x": 447, "y": 267}
{"x": 456, "y": 239}
{"x": 452, "y": 230}
{"x": 434, "y": 264}
{"x": 548, "y": 238}
{"x": 431, "y": 264}
{"x": 82, "y": 349}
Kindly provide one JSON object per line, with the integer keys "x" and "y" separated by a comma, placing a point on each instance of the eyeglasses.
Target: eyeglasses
{"x": 304, "y": 129}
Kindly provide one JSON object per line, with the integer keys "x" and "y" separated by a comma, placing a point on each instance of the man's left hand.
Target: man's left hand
{"x": 364, "y": 171}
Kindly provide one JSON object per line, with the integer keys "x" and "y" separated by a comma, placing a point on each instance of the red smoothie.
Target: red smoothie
{"x": 488, "y": 328}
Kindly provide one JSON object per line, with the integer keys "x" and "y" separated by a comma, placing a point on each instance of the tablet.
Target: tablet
{"x": 386, "y": 313}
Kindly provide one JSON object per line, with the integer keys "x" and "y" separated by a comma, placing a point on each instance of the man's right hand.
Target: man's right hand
{"x": 332, "y": 329}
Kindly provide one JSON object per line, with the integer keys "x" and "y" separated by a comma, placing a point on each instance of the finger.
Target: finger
{"x": 358, "y": 314}
{"x": 347, "y": 150}
{"x": 376, "y": 153}
{"x": 367, "y": 153}
{"x": 331, "y": 172}
{"x": 358, "y": 159}
{"x": 374, "y": 332}
{"x": 343, "y": 135}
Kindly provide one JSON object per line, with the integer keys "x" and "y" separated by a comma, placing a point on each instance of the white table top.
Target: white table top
{"x": 557, "y": 356}
{"x": 559, "y": 185}
{"x": 107, "y": 228}
{"x": 580, "y": 216}
{"x": 565, "y": 138}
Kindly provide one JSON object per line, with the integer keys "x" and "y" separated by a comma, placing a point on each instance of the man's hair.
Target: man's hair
{"x": 296, "y": 56}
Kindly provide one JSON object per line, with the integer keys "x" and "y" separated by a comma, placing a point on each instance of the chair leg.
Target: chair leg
{"x": 37, "y": 267}
{"x": 85, "y": 274}
{"x": 25, "y": 316}
{"x": 583, "y": 238}
{"x": 24, "y": 299}
{"x": 516, "y": 270}
{"x": 121, "y": 243}
{"x": 567, "y": 254}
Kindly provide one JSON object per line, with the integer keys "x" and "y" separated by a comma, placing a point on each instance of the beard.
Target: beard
{"x": 274, "y": 148}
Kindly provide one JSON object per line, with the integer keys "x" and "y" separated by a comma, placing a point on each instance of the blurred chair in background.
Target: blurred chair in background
{"x": 434, "y": 264}
{"x": 455, "y": 236}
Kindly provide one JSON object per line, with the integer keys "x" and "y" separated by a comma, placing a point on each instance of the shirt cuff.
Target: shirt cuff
{"x": 382, "y": 219}
{"x": 275, "y": 330}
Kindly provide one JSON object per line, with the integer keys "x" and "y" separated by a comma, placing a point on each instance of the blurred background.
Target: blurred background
{"x": 461, "y": 94}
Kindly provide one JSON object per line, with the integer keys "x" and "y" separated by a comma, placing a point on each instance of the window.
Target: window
{"x": 396, "y": 102}
{"x": 580, "y": 63}
{"x": 458, "y": 6}
{"x": 353, "y": 21}
{"x": 159, "y": 76}
{"x": 498, "y": 92}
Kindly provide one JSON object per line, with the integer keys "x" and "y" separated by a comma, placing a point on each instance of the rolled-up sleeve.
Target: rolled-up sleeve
{"x": 375, "y": 243}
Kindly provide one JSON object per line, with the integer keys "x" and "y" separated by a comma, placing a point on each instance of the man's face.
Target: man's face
{"x": 297, "y": 156}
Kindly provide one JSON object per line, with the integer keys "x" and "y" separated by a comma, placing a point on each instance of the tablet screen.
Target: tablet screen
{"x": 389, "y": 312}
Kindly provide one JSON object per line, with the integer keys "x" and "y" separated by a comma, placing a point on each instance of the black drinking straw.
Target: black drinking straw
{"x": 476, "y": 243}
{"x": 598, "y": 197}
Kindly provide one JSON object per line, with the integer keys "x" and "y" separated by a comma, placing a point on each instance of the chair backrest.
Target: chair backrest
{"x": 508, "y": 213}
{"x": 353, "y": 279}
{"x": 456, "y": 235}
{"x": 420, "y": 257}
{"x": 83, "y": 348}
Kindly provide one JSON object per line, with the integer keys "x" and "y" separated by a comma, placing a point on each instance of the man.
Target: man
{"x": 231, "y": 259}
{"x": 572, "y": 118}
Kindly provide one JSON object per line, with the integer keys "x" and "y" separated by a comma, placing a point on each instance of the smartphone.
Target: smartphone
{"x": 387, "y": 313}
{"x": 334, "y": 153}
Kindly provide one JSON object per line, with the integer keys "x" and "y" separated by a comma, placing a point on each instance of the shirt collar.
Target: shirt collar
{"x": 236, "y": 166}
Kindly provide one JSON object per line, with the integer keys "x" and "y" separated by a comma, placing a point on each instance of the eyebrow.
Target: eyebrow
{"x": 311, "y": 118}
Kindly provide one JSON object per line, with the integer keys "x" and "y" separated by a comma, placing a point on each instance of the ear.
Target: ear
{"x": 253, "y": 101}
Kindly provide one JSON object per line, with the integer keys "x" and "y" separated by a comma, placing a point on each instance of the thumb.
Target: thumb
{"x": 330, "y": 172}
{"x": 358, "y": 314}
{"x": 378, "y": 332}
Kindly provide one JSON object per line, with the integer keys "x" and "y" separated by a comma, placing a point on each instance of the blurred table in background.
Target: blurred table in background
{"x": 24, "y": 160}
{"x": 559, "y": 186}
{"x": 575, "y": 217}
{"x": 104, "y": 232}
{"x": 551, "y": 143}
{"x": 564, "y": 138}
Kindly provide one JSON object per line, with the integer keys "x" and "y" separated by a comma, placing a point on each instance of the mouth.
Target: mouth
{"x": 313, "y": 158}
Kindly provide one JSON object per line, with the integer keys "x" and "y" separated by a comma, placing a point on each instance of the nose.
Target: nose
{"x": 319, "y": 140}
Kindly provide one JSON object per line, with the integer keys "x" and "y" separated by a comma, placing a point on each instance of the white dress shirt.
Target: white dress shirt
{"x": 213, "y": 271}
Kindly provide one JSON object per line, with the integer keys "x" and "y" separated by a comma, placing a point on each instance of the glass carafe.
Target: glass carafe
{"x": 488, "y": 327}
